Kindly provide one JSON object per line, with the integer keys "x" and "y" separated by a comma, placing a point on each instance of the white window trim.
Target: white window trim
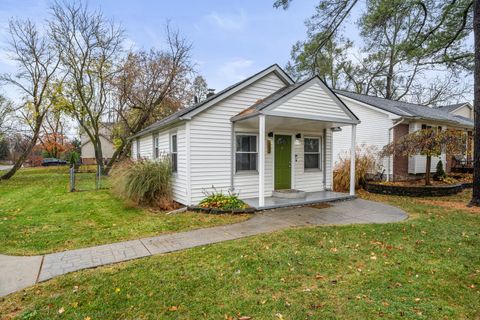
{"x": 320, "y": 153}
{"x": 171, "y": 148}
{"x": 156, "y": 146}
{"x": 245, "y": 172}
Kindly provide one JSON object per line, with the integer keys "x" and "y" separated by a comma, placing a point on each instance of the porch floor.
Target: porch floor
{"x": 310, "y": 198}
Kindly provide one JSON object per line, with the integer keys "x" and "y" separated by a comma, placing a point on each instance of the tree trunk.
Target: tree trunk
{"x": 117, "y": 155}
{"x": 97, "y": 146}
{"x": 427, "y": 169}
{"x": 476, "y": 107}
{"x": 20, "y": 161}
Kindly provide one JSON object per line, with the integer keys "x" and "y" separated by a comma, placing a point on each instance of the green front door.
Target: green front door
{"x": 283, "y": 160}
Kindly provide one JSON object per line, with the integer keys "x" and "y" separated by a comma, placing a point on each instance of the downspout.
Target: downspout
{"x": 232, "y": 157}
{"x": 324, "y": 167}
{"x": 389, "y": 169}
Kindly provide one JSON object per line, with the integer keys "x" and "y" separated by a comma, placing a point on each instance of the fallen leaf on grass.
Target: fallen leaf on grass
{"x": 61, "y": 310}
{"x": 173, "y": 308}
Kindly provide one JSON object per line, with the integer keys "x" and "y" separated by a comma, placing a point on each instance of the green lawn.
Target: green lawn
{"x": 39, "y": 215}
{"x": 427, "y": 267}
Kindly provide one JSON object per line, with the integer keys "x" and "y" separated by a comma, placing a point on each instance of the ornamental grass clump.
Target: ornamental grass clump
{"x": 145, "y": 182}
{"x": 219, "y": 200}
{"x": 366, "y": 162}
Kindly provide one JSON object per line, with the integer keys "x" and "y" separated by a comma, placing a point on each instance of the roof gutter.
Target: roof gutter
{"x": 160, "y": 128}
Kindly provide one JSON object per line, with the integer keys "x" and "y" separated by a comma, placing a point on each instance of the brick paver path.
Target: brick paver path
{"x": 17, "y": 273}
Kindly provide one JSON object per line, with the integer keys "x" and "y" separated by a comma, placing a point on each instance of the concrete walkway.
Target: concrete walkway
{"x": 17, "y": 273}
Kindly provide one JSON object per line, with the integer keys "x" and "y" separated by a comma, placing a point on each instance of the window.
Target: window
{"x": 246, "y": 153}
{"x": 156, "y": 146}
{"x": 174, "y": 152}
{"x": 312, "y": 154}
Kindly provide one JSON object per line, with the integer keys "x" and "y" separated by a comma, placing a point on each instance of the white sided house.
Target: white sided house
{"x": 383, "y": 121}
{"x": 257, "y": 138}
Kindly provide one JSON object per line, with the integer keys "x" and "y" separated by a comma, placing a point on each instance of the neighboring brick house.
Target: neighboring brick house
{"x": 87, "y": 154}
{"x": 384, "y": 120}
{"x": 464, "y": 110}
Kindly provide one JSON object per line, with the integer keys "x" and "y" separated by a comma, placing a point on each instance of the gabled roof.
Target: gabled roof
{"x": 262, "y": 104}
{"x": 453, "y": 107}
{"x": 408, "y": 110}
{"x": 180, "y": 114}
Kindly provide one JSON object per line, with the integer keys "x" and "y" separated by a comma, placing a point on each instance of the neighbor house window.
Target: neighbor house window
{"x": 174, "y": 152}
{"x": 156, "y": 146}
{"x": 424, "y": 126}
{"x": 246, "y": 152}
{"x": 312, "y": 154}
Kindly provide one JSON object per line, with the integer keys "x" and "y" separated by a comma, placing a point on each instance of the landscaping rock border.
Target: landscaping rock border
{"x": 221, "y": 211}
{"x": 417, "y": 191}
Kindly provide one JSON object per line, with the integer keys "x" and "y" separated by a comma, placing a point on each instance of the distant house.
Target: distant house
{"x": 265, "y": 137}
{"x": 87, "y": 154}
{"x": 384, "y": 121}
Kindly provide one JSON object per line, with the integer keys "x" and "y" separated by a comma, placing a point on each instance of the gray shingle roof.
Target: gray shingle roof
{"x": 178, "y": 114}
{"x": 408, "y": 110}
{"x": 451, "y": 107}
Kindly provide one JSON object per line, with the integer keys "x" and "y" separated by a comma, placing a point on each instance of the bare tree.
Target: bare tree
{"x": 90, "y": 47}
{"x": 151, "y": 86}
{"x": 36, "y": 67}
{"x": 6, "y": 110}
{"x": 200, "y": 89}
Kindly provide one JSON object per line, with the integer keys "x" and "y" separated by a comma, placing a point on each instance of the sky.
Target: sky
{"x": 231, "y": 39}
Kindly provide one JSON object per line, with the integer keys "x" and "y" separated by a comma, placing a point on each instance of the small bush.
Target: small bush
{"x": 146, "y": 182}
{"x": 440, "y": 174}
{"x": 219, "y": 200}
{"x": 366, "y": 161}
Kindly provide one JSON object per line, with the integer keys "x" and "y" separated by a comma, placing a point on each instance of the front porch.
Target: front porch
{"x": 309, "y": 199}
{"x": 285, "y": 142}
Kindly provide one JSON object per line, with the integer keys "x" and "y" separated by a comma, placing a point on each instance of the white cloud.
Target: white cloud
{"x": 235, "y": 69}
{"x": 224, "y": 21}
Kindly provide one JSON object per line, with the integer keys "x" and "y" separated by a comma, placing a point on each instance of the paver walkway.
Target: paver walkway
{"x": 17, "y": 273}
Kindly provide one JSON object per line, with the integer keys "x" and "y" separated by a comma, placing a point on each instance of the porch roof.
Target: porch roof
{"x": 262, "y": 106}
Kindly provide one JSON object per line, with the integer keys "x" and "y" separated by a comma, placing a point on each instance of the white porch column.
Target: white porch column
{"x": 261, "y": 161}
{"x": 352, "y": 160}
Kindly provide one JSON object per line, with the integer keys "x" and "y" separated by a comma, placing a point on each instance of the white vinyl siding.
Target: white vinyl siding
{"x": 179, "y": 185}
{"x": 372, "y": 131}
{"x": 146, "y": 147}
{"x": 464, "y": 111}
{"x": 312, "y": 101}
{"x": 308, "y": 180}
{"x": 211, "y": 142}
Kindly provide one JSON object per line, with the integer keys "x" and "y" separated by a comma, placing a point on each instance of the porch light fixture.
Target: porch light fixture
{"x": 298, "y": 136}
{"x": 336, "y": 129}
{"x": 270, "y": 134}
